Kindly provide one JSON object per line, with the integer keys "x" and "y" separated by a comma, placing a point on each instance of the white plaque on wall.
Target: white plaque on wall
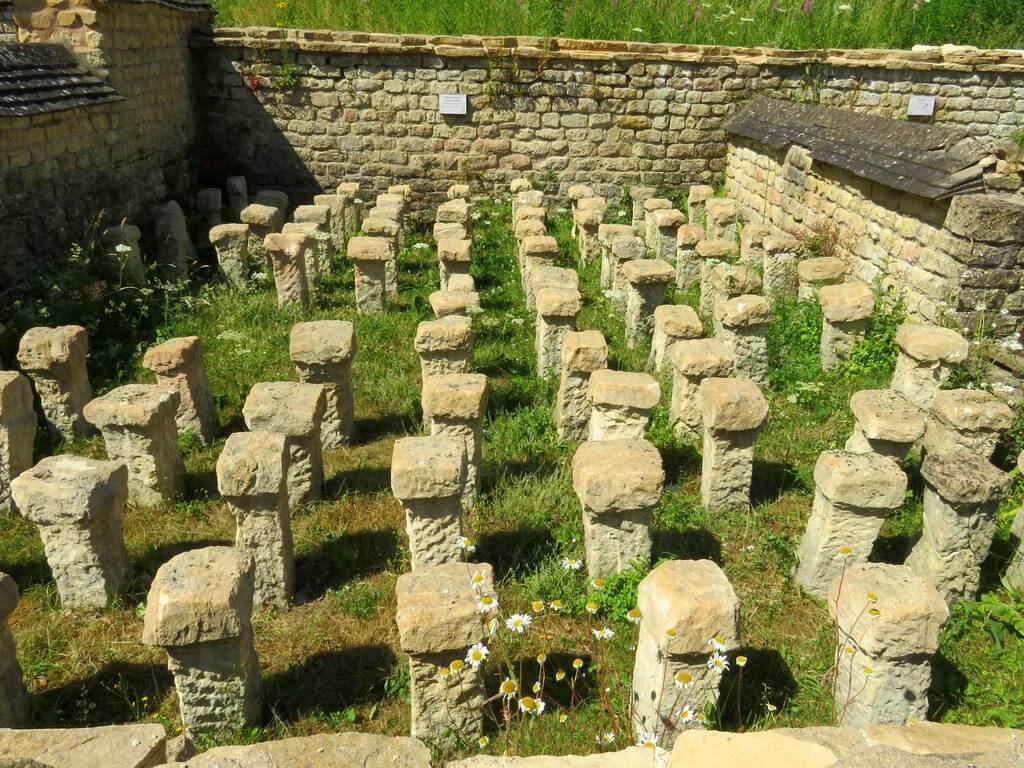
{"x": 452, "y": 103}
{"x": 921, "y": 106}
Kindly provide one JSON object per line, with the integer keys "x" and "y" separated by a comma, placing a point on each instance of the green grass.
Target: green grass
{"x": 775, "y": 23}
{"x": 333, "y": 661}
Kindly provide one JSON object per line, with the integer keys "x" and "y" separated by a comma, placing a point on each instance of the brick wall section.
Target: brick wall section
{"x": 364, "y": 107}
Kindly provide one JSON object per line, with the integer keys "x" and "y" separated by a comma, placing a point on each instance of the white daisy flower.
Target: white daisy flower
{"x": 718, "y": 663}
{"x": 487, "y": 603}
{"x": 571, "y": 564}
{"x": 466, "y": 545}
{"x": 531, "y": 705}
{"x": 685, "y": 714}
{"x": 477, "y": 655}
{"x": 518, "y": 622}
{"x": 648, "y": 740}
{"x": 605, "y": 633}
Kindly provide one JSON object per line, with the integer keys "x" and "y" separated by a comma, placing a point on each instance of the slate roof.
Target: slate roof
{"x": 178, "y": 5}
{"x": 39, "y": 78}
{"x": 934, "y": 162}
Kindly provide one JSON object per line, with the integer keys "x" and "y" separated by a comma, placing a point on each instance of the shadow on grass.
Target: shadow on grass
{"x": 361, "y": 480}
{"x": 371, "y": 430}
{"x": 893, "y": 549}
{"x": 201, "y": 484}
{"x": 949, "y": 685}
{"x": 513, "y": 553}
{"x": 344, "y": 558}
{"x": 767, "y": 679}
{"x": 121, "y": 692}
{"x": 681, "y": 461}
{"x": 772, "y": 479}
{"x": 688, "y": 544}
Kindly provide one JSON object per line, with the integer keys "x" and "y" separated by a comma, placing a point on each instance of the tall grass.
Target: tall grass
{"x": 774, "y": 23}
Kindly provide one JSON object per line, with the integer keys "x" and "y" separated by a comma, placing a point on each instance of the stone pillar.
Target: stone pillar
{"x": 722, "y": 216}
{"x": 124, "y": 257}
{"x": 733, "y": 411}
{"x": 263, "y": 220}
{"x": 387, "y": 231}
{"x": 353, "y": 207}
{"x": 444, "y": 345}
{"x": 884, "y": 423}
{"x": 966, "y": 420}
{"x": 178, "y": 364}
{"x": 322, "y": 353}
{"x": 646, "y": 282}
{"x": 742, "y": 326}
{"x": 606, "y": 235}
{"x": 845, "y": 309}
{"x": 137, "y": 422}
{"x": 694, "y": 360}
{"x": 454, "y": 302}
{"x": 535, "y": 252}
{"x": 687, "y": 261}
{"x": 1014, "y": 575}
{"x": 428, "y": 477}
{"x": 962, "y": 492}
{"x": 576, "y": 193}
{"x": 726, "y": 281}
{"x": 252, "y": 477}
{"x": 781, "y": 276}
{"x": 231, "y": 242}
{"x": 524, "y": 229}
{"x": 199, "y": 610}
{"x": 582, "y": 354}
{"x": 711, "y": 253}
{"x": 556, "y": 315}
{"x": 453, "y": 406}
{"x": 446, "y": 231}
{"x": 672, "y": 323}
{"x": 275, "y": 198}
{"x": 238, "y": 196}
{"x": 640, "y": 195}
{"x": 455, "y": 191}
{"x": 456, "y": 211}
{"x": 54, "y": 358}
{"x": 14, "y": 702}
{"x": 438, "y": 623}
{"x": 294, "y": 410}
{"x": 517, "y": 186}
{"x": 175, "y": 252}
{"x": 208, "y": 205}
{"x": 288, "y": 256}
{"x": 697, "y": 201}
{"x": 17, "y": 431}
{"x": 78, "y": 504}
{"x": 684, "y": 604}
{"x": 624, "y": 251}
{"x": 853, "y": 494}
{"x": 547, "y": 276}
{"x": 818, "y": 272}
{"x": 336, "y": 205}
{"x": 665, "y": 231}
{"x": 312, "y": 257}
{"x": 587, "y": 222}
{"x": 618, "y": 483}
{"x": 454, "y": 257}
{"x": 369, "y": 255}
{"x": 752, "y": 245}
{"x": 530, "y": 198}
{"x": 926, "y": 355}
{"x": 652, "y": 205}
{"x": 888, "y": 622}
{"x": 620, "y": 404}
{"x": 323, "y": 240}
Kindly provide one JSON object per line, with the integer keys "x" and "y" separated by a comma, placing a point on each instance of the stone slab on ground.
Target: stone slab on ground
{"x": 633, "y": 757}
{"x": 110, "y": 746}
{"x": 345, "y": 750}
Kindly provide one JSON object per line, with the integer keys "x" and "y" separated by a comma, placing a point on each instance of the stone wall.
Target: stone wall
{"x": 304, "y": 110}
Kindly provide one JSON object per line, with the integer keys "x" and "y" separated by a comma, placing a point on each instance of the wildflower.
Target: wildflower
{"x": 683, "y": 679}
{"x": 845, "y": 551}
{"x": 555, "y": 605}
{"x": 848, "y": 648}
{"x": 685, "y": 714}
{"x": 605, "y": 633}
{"x": 577, "y": 663}
{"x": 718, "y": 662}
{"x": 844, "y": 7}
{"x": 508, "y": 688}
{"x": 648, "y": 740}
{"x": 597, "y": 583}
{"x": 466, "y": 545}
{"x": 560, "y": 675}
{"x": 633, "y": 616}
{"x": 444, "y": 672}
{"x": 771, "y": 707}
{"x": 420, "y": 246}
{"x": 718, "y": 643}
{"x": 741, "y": 661}
{"x": 487, "y": 603}
{"x": 483, "y": 741}
{"x": 537, "y": 606}
{"x": 872, "y": 597}
{"x": 492, "y": 628}
{"x": 477, "y": 579}
{"x": 518, "y": 622}
{"x": 637, "y": 29}
{"x": 531, "y": 705}
{"x": 477, "y": 655}
{"x": 571, "y": 563}
{"x": 591, "y": 607}
{"x": 671, "y": 633}
{"x": 700, "y": 717}
{"x": 868, "y": 670}
{"x": 541, "y": 658}
{"x": 535, "y": 687}
{"x": 562, "y": 717}
{"x": 874, "y": 612}
{"x": 457, "y": 666}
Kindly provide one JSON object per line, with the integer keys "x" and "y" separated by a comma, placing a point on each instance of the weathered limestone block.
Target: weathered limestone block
{"x": 640, "y": 195}
{"x": 275, "y": 199}
{"x": 650, "y": 230}
{"x": 516, "y": 187}
{"x": 263, "y": 220}
{"x": 252, "y": 477}
{"x": 813, "y": 274}
{"x": 370, "y": 255}
{"x": 666, "y": 225}
{"x": 453, "y": 407}
{"x": 646, "y": 281}
{"x": 178, "y": 364}
{"x": 846, "y": 309}
{"x": 694, "y": 360}
{"x": 231, "y": 242}
{"x": 618, "y": 483}
{"x": 288, "y": 256}
{"x": 988, "y": 218}
{"x": 137, "y": 422}
{"x": 444, "y": 345}
{"x": 606, "y": 235}
{"x": 684, "y": 604}
{"x": 672, "y": 323}
{"x": 331, "y": 750}
{"x": 546, "y": 276}
{"x": 725, "y": 281}
{"x": 966, "y": 420}
{"x": 535, "y": 252}
{"x": 556, "y": 315}
{"x": 428, "y": 477}
{"x": 528, "y": 199}
{"x": 853, "y": 494}
{"x": 1014, "y": 575}
{"x": 926, "y": 355}
{"x": 884, "y": 423}
{"x": 463, "y": 283}
{"x": 322, "y": 353}
{"x": 742, "y": 325}
{"x": 17, "y": 431}
{"x": 78, "y": 504}
{"x": 710, "y": 254}
{"x": 455, "y": 302}
{"x": 624, "y": 250}
{"x": 124, "y": 257}
{"x": 781, "y": 271}
{"x": 199, "y": 610}
{"x": 528, "y": 228}
{"x": 582, "y": 353}
{"x": 388, "y": 230}
{"x": 208, "y": 208}
{"x": 733, "y": 412}
{"x": 888, "y": 622}
{"x": 697, "y": 201}
{"x": 14, "y": 702}
{"x": 454, "y": 257}
{"x": 722, "y": 218}
{"x": 322, "y": 257}
{"x": 438, "y": 623}
{"x": 353, "y": 207}
{"x": 576, "y": 193}
{"x": 457, "y": 191}
{"x": 962, "y": 492}
{"x": 687, "y": 261}
{"x": 456, "y": 211}
{"x": 446, "y": 231}
{"x": 588, "y": 221}
{"x": 238, "y": 196}
{"x": 175, "y": 252}
{"x": 620, "y": 404}
{"x": 296, "y": 411}
{"x": 54, "y": 358}
{"x": 405, "y": 191}
{"x": 336, "y": 204}
{"x": 752, "y": 244}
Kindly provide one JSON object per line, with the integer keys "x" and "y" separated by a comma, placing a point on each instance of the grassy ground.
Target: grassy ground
{"x": 332, "y": 662}
{"x": 778, "y": 23}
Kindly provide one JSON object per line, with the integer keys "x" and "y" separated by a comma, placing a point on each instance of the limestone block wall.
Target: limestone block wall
{"x": 305, "y": 110}
{"x": 896, "y": 239}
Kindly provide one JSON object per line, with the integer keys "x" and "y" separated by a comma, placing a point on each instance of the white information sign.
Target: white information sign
{"x": 921, "y": 106}
{"x": 452, "y": 103}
